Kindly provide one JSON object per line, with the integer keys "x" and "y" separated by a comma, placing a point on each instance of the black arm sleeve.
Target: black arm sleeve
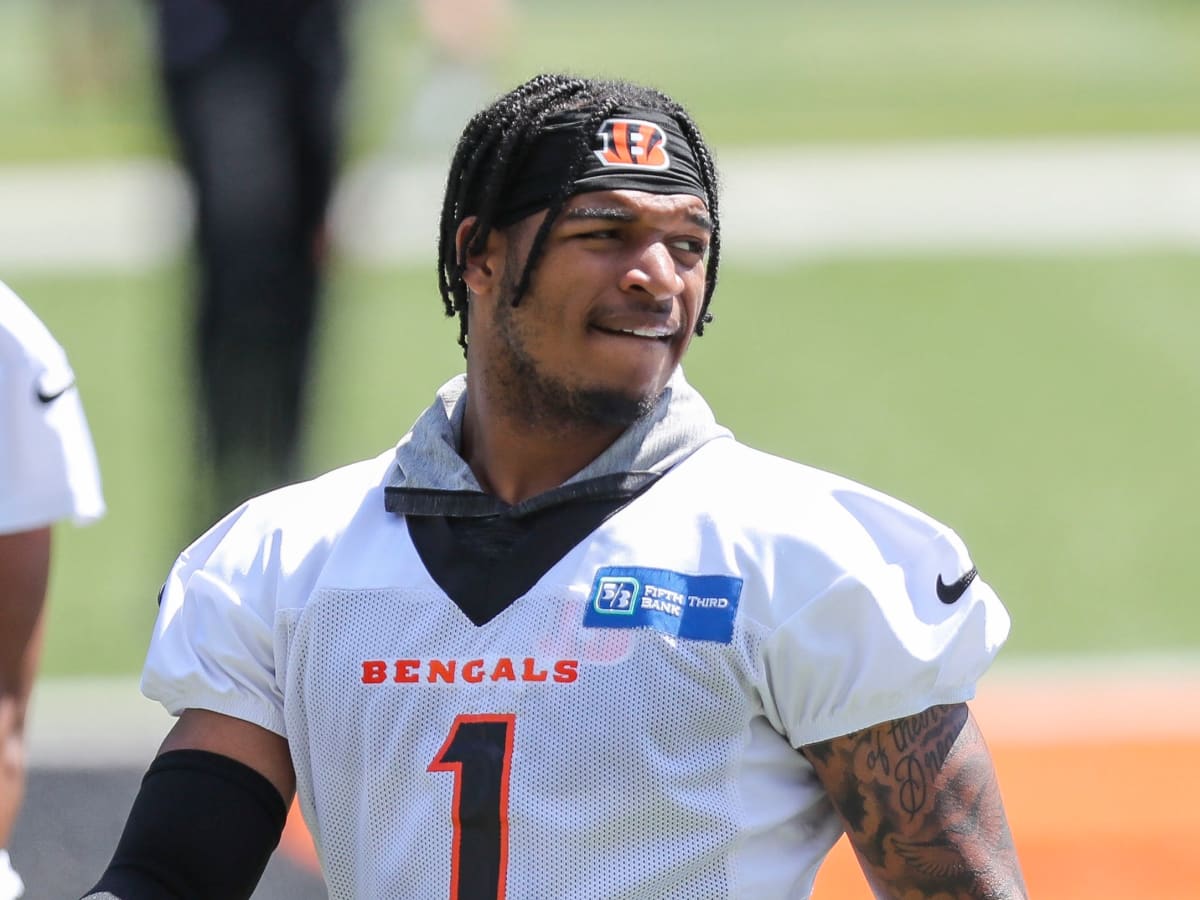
{"x": 202, "y": 826}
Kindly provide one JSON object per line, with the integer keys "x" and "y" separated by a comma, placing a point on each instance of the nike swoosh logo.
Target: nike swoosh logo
{"x": 50, "y": 396}
{"x": 949, "y": 593}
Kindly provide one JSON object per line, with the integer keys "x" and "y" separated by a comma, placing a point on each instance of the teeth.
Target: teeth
{"x": 648, "y": 332}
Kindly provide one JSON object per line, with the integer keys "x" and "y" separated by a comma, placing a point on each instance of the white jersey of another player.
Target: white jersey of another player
{"x": 48, "y": 465}
{"x": 627, "y": 726}
{"x": 48, "y": 472}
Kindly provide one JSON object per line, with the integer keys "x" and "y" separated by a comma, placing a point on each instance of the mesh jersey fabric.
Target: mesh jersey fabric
{"x": 634, "y": 763}
{"x": 48, "y": 468}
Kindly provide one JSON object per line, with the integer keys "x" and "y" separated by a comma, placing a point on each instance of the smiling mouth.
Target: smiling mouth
{"x": 652, "y": 332}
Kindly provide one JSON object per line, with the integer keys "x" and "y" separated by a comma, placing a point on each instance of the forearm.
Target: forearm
{"x": 24, "y": 570}
{"x": 203, "y": 826}
{"x": 922, "y": 807}
{"x": 24, "y": 574}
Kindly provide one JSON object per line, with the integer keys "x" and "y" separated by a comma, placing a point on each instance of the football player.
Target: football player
{"x": 570, "y": 638}
{"x": 48, "y": 472}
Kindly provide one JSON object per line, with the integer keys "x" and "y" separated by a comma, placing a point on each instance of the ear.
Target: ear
{"x": 483, "y": 270}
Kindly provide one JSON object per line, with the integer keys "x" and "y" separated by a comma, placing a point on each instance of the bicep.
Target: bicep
{"x": 921, "y": 806}
{"x": 252, "y": 745}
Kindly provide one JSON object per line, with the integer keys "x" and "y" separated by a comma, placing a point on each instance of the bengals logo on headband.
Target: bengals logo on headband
{"x": 634, "y": 143}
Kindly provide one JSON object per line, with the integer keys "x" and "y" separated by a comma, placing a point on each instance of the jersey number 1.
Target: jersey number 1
{"x": 477, "y": 752}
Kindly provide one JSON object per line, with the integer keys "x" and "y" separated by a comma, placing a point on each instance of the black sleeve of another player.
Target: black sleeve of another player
{"x": 202, "y": 826}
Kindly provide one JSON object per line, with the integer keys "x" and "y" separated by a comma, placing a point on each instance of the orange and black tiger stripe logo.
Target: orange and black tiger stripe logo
{"x": 634, "y": 143}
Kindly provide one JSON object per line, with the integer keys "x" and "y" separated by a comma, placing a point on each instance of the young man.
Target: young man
{"x": 48, "y": 472}
{"x": 569, "y": 638}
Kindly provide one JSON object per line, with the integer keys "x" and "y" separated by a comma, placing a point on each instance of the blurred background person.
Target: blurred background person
{"x": 455, "y": 72}
{"x": 254, "y": 92}
{"x": 48, "y": 472}
{"x": 89, "y": 44}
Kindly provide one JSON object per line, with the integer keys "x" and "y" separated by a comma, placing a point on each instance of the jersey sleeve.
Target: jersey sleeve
{"x": 48, "y": 468}
{"x": 902, "y": 626}
{"x": 226, "y": 611}
{"x": 213, "y": 642}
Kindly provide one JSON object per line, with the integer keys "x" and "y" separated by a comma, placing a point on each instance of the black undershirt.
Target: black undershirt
{"x": 485, "y": 563}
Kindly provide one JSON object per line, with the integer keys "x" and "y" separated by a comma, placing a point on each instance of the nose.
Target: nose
{"x": 653, "y": 272}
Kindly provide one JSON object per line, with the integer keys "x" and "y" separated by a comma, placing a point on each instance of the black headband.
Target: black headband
{"x": 633, "y": 149}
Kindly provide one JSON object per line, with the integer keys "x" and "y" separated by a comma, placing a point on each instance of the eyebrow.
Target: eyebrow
{"x": 619, "y": 214}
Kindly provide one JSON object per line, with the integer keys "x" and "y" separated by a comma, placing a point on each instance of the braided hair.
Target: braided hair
{"x": 495, "y": 143}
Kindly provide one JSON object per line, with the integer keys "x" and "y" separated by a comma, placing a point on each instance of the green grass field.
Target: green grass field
{"x": 759, "y": 71}
{"x": 1046, "y": 408}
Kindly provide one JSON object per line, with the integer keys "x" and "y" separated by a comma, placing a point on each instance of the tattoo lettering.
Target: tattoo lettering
{"x": 878, "y": 756}
{"x": 922, "y": 807}
{"x": 906, "y": 732}
{"x": 935, "y": 757}
{"x": 910, "y": 778}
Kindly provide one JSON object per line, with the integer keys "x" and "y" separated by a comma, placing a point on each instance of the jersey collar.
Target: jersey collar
{"x": 429, "y": 477}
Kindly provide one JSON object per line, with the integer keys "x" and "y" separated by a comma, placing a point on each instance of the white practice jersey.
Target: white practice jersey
{"x": 48, "y": 465}
{"x": 630, "y": 724}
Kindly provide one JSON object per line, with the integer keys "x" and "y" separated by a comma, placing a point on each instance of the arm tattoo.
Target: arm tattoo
{"x": 922, "y": 807}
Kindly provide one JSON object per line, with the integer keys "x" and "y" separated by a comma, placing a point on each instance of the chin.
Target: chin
{"x": 611, "y": 407}
{"x": 544, "y": 399}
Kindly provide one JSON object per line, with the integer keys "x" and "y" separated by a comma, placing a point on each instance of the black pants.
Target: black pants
{"x": 257, "y": 121}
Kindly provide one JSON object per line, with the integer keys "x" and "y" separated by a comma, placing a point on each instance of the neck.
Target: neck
{"x": 514, "y": 459}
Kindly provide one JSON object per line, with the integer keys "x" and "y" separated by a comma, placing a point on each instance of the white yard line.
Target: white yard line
{"x": 964, "y": 196}
{"x": 121, "y": 217}
{"x": 1009, "y": 196}
{"x": 810, "y": 202}
{"x": 77, "y": 722}
{"x": 93, "y": 722}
